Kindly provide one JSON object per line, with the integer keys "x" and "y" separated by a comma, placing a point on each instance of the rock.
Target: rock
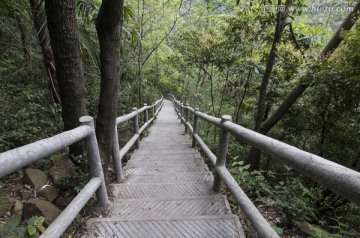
{"x": 35, "y": 178}
{"x": 18, "y": 207}
{"x": 61, "y": 171}
{"x": 50, "y": 193}
{"x": 25, "y": 194}
{"x": 16, "y": 187}
{"x": 6, "y": 205}
{"x": 39, "y": 207}
{"x": 65, "y": 198}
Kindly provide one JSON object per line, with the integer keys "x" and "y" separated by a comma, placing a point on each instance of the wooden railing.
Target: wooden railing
{"x": 335, "y": 177}
{"x": 118, "y": 153}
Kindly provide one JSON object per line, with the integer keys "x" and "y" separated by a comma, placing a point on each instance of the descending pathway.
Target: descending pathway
{"x": 166, "y": 191}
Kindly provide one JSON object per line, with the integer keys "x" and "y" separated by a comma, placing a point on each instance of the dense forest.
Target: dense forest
{"x": 287, "y": 69}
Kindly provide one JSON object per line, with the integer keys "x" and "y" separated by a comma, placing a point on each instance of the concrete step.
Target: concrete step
{"x": 166, "y": 143}
{"x": 160, "y": 146}
{"x": 181, "y": 168}
{"x": 166, "y": 190}
{"x": 182, "y": 139}
{"x": 148, "y": 157}
{"x": 169, "y": 178}
{"x": 227, "y": 226}
{"x": 164, "y": 152}
{"x": 166, "y": 157}
{"x": 172, "y": 207}
{"x": 167, "y": 129}
{"x": 164, "y": 162}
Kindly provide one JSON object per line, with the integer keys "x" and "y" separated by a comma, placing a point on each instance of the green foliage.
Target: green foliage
{"x": 35, "y": 224}
{"x": 13, "y": 228}
{"x": 291, "y": 197}
{"x": 19, "y": 126}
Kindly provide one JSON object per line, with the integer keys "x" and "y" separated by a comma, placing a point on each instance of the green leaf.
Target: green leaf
{"x": 39, "y": 221}
{"x": 31, "y": 230}
{"x": 32, "y": 220}
{"x": 11, "y": 224}
{"x": 278, "y": 230}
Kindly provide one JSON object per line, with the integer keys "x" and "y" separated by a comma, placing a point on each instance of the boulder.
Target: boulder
{"x": 60, "y": 173}
{"x": 39, "y": 207}
{"x": 6, "y": 205}
{"x": 50, "y": 193}
{"x": 35, "y": 178}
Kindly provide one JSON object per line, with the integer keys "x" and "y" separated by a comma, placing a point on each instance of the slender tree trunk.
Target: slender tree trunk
{"x": 140, "y": 52}
{"x": 280, "y": 25}
{"x": 24, "y": 37}
{"x": 108, "y": 26}
{"x": 223, "y": 92}
{"x": 39, "y": 22}
{"x": 61, "y": 19}
{"x": 254, "y": 159}
{"x": 297, "y": 91}
{"x": 246, "y": 86}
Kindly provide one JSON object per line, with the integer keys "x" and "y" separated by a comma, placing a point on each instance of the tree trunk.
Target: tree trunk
{"x": 254, "y": 159}
{"x": 246, "y": 86}
{"x": 25, "y": 41}
{"x": 108, "y": 26}
{"x": 61, "y": 19}
{"x": 297, "y": 91}
{"x": 39, "y": 22}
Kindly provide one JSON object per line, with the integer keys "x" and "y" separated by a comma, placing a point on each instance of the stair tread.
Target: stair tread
{"x": 179, "y": 168}
{"x": 168, "y": 178}
{"x": 164, "y": 190}
{"x": 227, "y": 226}
{"x": 171, "y": 207}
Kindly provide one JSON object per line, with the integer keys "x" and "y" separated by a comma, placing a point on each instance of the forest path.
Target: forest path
{"x": 167, "y": 191}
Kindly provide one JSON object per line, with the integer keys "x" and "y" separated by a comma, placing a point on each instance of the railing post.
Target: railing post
{"x": 181, "y": 112}
{"x": 116, "y": 156}
{"x": 178, "y": 109}
{"x": 195, "y": 127}
{"x": 222, "y": 151}
{"x": 153, "y": 112}
{"x": 93, "y": 156}
{"x": 186, "y": 116}
{"x": 136, "y": 128}
{"x": 146, "y": 114}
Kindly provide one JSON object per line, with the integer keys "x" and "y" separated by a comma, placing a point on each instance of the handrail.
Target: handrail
{"x": 118, "y": 153}
{"x": 337, "y": 178}
{"x": 18, "y": 158}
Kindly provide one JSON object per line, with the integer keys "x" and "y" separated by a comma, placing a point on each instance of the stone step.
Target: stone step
{"x": 182, "y": 168}
{"x": 167, "y": 190}
{"x": 173, "y": 207}
{"x": 227, "y": 226}
{"x": 169, "y": 178}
